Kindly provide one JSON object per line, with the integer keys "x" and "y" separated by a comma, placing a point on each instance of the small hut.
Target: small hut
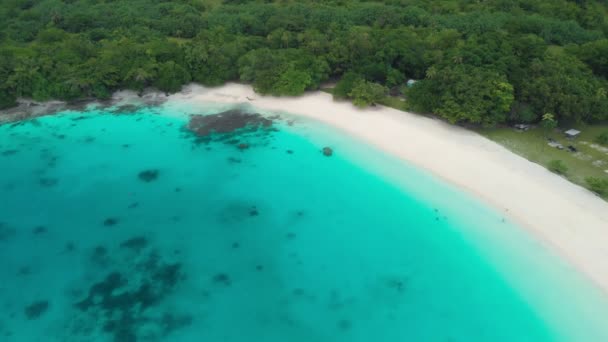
{"x": 572, "y": 133}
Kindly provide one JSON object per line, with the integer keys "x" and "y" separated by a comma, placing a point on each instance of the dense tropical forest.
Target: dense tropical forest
{"x": 479, "y": 62}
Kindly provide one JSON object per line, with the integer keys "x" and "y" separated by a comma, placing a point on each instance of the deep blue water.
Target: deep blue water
{"x": 121, "y": 226}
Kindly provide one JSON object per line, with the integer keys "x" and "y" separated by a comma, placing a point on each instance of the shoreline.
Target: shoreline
{"x": 562, "y": 215}
{"x": 566, "y": 217}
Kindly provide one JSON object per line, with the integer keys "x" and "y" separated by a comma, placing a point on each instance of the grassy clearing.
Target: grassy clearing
{"x": 591, "y": 160}
{"x": 388, "y": 101}
{"x": 395, "y": 102}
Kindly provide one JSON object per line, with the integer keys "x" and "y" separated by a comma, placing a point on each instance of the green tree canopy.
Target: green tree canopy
{"x": 465, "y": 94}
{"x": 366, "y": 93}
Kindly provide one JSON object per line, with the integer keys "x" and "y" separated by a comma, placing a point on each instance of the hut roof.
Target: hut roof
{"x": 572, "y": 132}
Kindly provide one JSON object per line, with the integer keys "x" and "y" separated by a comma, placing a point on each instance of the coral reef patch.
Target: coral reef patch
{"x": 233, "y": 127}
{"x": 124, "y": 301}
{"x": 36, "y": 309}
{"x": 148, "y": 176}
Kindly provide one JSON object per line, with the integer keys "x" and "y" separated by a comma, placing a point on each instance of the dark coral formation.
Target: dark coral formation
{"x": 36, "y": 309}
{"x": 48, "y": 182}
{"x": 398, "y": 284}
{"x": 148, "y": 175}
{"x": 233, "y": 127}
{"x": 344, "y": 325}
{"x": 135, "y": 243}
{"x": 110, "y": 221}
{"x": 226, "y": 122}
{"x": 6, "y": 232}
{"x": 119, "y": 301}
{"x": 24, "y": 271}
{"x": 222, "y": 279}
{"x": 327, "y": 151}
{"x": 69, "y": 246}
{"x": 171, "y": 322}
{"x": 39, "y": 230}
{"x": 99, "y": 256}
{"x": 9, "y": 152}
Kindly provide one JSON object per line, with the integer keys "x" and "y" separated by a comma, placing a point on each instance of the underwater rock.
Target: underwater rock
{"x": 36, "y": 309}
{"x": 234, "y": 160}
{"x": 52, "y": 162}
{"x": 148, "y": 175}
{"x": 226, "y": 122}
{"x": 344, "y": 325}
{"x": 48, "y": 182}
{"x": 99, "y": 256}
{"x": 167, "y": 275}
{"x": 136, "y": 243}
{"x": 397, "y": 284}
{"x": 9, "y": 152}
{"x": 103, "y": 292}
{"x": 259, "y": 268}
{"x": 24, "y": 271}
{"x": 171, "y": 322}
{"x": 39, "y": 230}
{"x": 110, "y": 221}
{"x": 222, "y": 279}
{"x": 289, "y": 152}
{"x": 100, "y": 251}
{"x": 243, "y": 146}
{"x": 6, "y": 232}
{"x": 327, "y": 151}
{"x": 69, "y": 246}
{"x": 290, "y": 236}
{"x": 133, "y": 205}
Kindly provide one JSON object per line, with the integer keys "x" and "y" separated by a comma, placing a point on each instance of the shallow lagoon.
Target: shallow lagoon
{"x": 120, "y": 225}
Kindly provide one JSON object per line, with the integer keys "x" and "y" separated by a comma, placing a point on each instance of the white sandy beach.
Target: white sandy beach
{"x": 568, "y": 217}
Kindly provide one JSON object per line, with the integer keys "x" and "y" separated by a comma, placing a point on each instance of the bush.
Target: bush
{"x": 346, "y": 85}
{"x": 602, "y": 139}
{"x": 366, "y": 93}
{"x": 557, "y": 166}
{"x": 598, "y": 185}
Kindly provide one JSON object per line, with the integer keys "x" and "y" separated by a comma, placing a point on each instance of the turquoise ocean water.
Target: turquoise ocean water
{"x": 118, "y": 225}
